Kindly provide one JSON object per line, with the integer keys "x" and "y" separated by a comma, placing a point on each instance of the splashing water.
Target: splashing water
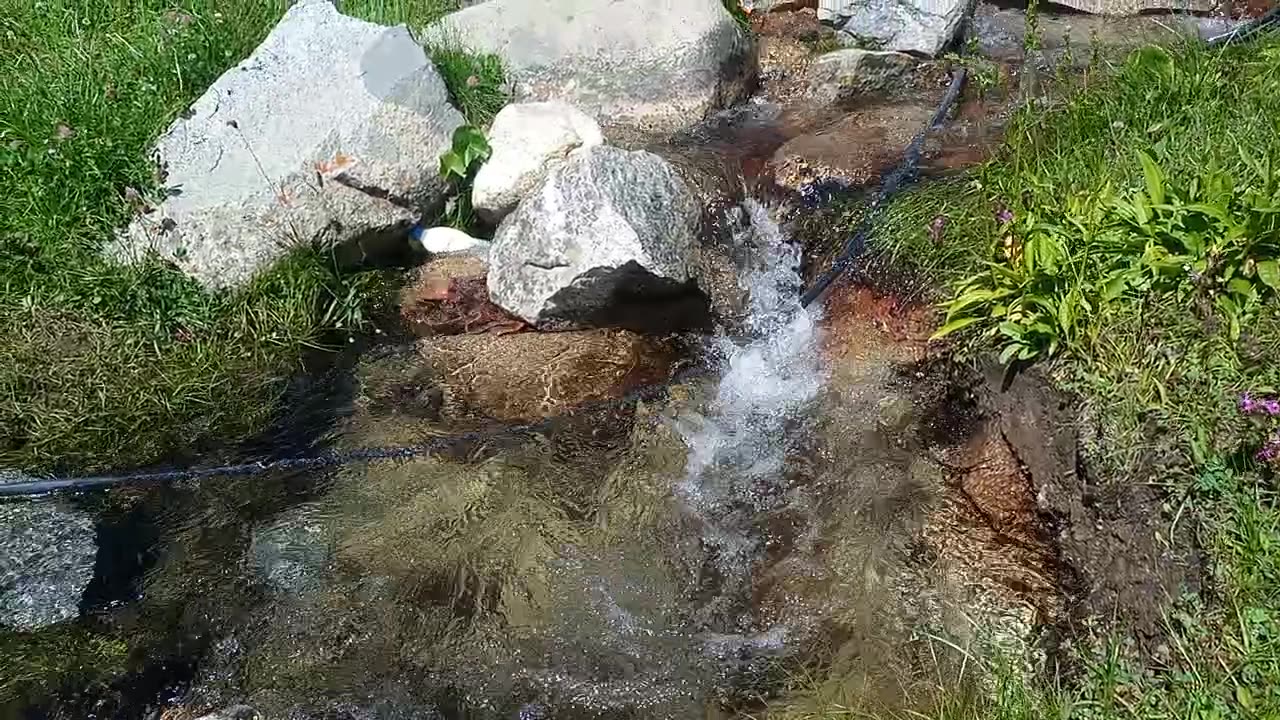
{"x": 738, "y": 450}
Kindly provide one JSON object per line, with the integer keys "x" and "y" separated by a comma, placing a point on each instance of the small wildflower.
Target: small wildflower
{"x": 1247, "y": 403}
{"x": 1004, "y": 216}
{"x": 936, "y": 228}
{"x": 472, "y": 81}
{"x": 1270, "y": 407}
{"x": 1270, "y": 450}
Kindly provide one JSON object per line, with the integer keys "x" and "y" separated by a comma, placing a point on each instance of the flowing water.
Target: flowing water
{"x": 669, "y": 558}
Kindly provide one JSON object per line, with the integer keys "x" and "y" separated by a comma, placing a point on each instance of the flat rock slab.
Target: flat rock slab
{"x": 47, "y": 557}
{"x": 921, "y": 27}
{"x": 531, "y": 375}
{"x": 1001, "y": 32}
{"x": 330, "y": 133}
{"x": 656, "y": 65}
{"x": 855, "y": 150}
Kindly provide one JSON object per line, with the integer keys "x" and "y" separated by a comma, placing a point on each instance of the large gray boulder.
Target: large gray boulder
{"x": 655, "y": 65}
{"x": 330, "y": 132}
{"x": 606, "y": 224}
{"x": 923, "y": 27}
{"x": 528, "y": 139}
{"x": 47, "y": 556}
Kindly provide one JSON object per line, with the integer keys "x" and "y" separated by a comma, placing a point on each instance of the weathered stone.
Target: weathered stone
{"x": 531, "y": 375}
{"x": 1000, "y": 33}
{"x": 450, "y": 241}
{"x": 607, "y": 228}
{"x": 528, "y": 139}
{"x": 330, "y": 132}
{"x": 448, "y": 296}
{"x": 924, "y": 27}
{"x": 47, "y": 556}
{"x": 765, "y": 6}
{"x": 854, "y": 151}
{"x": 845, "y": 74}
{"x": 659, "y": 65}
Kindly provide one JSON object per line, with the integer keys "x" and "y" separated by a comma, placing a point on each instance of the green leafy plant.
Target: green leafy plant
{"x": 1213, "y": 243}
{"x": 1032, "y": 299}
{"x": 458, "y": 166}
{"x": 1031, "y": 41}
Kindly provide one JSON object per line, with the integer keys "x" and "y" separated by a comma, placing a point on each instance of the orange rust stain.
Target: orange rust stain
{"x": 335, "y": 166}
{"x": 855, "y": 316}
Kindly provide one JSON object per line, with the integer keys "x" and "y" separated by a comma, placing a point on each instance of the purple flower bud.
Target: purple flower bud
{"x": 1247, "y": 403}
{"x": 1005, "y": 216}
{"x": 1270, "y": 407}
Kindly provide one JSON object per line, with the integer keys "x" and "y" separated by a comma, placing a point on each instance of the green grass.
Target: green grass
{"x": 108, "y": 366}
{"x": 1158, "y": 366}
{"x": 477, "y": 81}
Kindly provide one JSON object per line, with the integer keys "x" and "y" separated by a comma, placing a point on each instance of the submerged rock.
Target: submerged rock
{"x": 47, "y": 557}
{"x": 854, "y": 151}
{"x": 449, "y": 296}
{"x": 657, "y": 66}
{"x": 528, "y": 376}
{"x": 607, "y": 229}
{"x": 293, "y": 552}
{"x": 845, "y": 74}
{"x": 528, "y": 140}
{"x": 914, "y": 26}
{"x": 330, "y": 133}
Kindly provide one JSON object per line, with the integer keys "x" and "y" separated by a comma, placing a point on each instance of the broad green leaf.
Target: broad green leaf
{"x": 1011, "y": 330}
{"x": 1009, "y": 351}
{"x": 1244, "y": 697}
{"x": 953, "y": 326}
{"x": 451, "y": 164}
{"x": 1154, "y": 177}
{"x": 1066, "y": 310}
{"x": 1115, "y": 286}
{"x": 1269, "y": 273}
{"x": 1240, "y": 286}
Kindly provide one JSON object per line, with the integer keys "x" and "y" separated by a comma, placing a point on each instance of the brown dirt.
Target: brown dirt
{"x": 1018, "y": 521}
{"x": 1109, "y": 532}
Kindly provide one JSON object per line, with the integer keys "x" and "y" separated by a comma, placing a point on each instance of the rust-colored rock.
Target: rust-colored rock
{"x": 532, "y": 375}
{"x": 448, "y": 296}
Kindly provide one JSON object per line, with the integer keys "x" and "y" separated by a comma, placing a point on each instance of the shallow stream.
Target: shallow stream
{"x": 810, "y": 502}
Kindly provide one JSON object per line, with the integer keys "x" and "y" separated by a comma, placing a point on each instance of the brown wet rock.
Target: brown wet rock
{"x": 788, "y": 42}
{"x": 855, "y": 150}
{"x": 449, "y": 296}
{"x": 862, "y": 325}
{"x": 528, "y": 376}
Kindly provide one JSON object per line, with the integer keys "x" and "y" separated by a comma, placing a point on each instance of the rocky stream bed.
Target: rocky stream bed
{"x": 796, "y": 485}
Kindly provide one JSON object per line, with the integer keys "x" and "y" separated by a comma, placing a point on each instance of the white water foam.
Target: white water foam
{"x": 738, "y": 450}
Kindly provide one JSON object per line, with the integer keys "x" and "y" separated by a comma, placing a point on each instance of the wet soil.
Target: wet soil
{"x": 1021, "y": 523}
